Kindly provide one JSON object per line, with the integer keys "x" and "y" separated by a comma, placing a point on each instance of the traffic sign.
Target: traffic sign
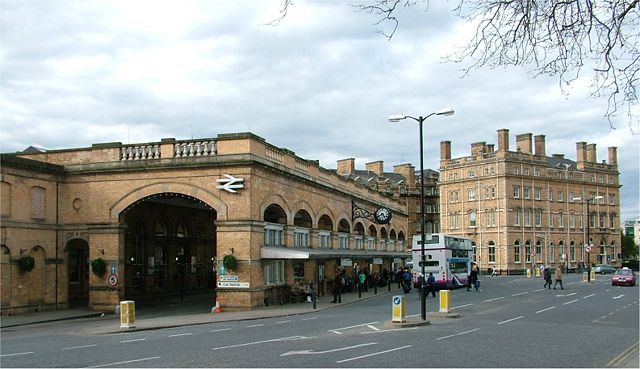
{"x": 533, "y": 253}
{"x": 587, "y": 249}
{"x": 113, "y": 280}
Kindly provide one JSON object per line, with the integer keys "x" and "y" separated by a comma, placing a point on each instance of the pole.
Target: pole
{"x": 588, "y": 224}
{"x": 423, "y": 300}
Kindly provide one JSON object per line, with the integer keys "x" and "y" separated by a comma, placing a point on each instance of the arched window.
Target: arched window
{"x": 182, "y": 231}
{"x": 492, "y": 252}
{"x": 527, "y": 251}
{"x": 275, "y": 214}
{"x": 343, "y": 233}
{"x": 160, "y": 229}
{"x": 516, "y": 251}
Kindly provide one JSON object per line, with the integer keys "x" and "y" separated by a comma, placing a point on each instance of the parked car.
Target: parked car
{"x": 623, "y": 277}
{"x": 603, "y": 269}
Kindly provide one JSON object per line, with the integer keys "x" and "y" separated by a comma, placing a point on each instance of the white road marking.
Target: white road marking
{"x": 180, "y": 334}
{"x": 617, "y": 297}
{"x": 543, "y": 310}
{"x": 372, "y": 327}
{"x": 611, "y": 313}
{"x": 512, "y": 319}
{"x": 587, "y": 296}
{"x": 336, "y": 330}
{"x": 373, "y": 354}
{"x": 290, "y": 338}
{"x": 125, "y": 362}
{"x": 78, "y": 347}
{"x": 310, "y": 318}
{"x": 411, "y": 316}
{"x": 283, "y": 321}
{"x": 461, "y": 306}
{"x": 139, "y": 339}
{"x": 521, "y": 293}
{"x": 309, "y": 352}
{"x": 540, "y": 289}
{"x": 603, "y": 317}
{"x": 220, "y": 330}
{"x": 571, "y": 294}
{"x": 389, "y": 330}
{"x": 255, "y": 325}
{"x": 457, "y": 334}
{"x": 570, "y": 302}
{"x": 17, "y": 353}
{"x": 497, "y": 298}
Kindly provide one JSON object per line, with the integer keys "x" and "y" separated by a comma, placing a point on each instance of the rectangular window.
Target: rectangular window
{"x": 537, "y": 194}
{"x": 343, "y": 240}
{"x": 571, "y": 197}
{"x": 538, "y": 218}
{"x": 516, "y": 192}
{"x": 612, "y": 199}
{"x": 472, "y": 194}
{"x": 301, "y": 237}
{"x": 527, "y": 218}
{"x": 550, "y": 195}
{"x": 572, "y": 220}
{"x": 526, "y": 171}
{"x": 538, "y": 252}
{"x": 324, "y": 239}
{"x": 273, "y": 235}
{"x": 601, "y": 220}
{"x": 612, "y": 220}
{"x": 560, "y": 220}
{"x": 527, "y": 192}
{"x": 273, "y": 272}
{"x": 383, "y": 244}
{"x": 550, "y": 220}
{"x": 516, "y": 253}
{"x": 371, "y": 243}
{"x": 516, "y": 217}
{"x": 592, "y": 220}
{"x": 392, "y": 245}
{"x": 359, "y": 242}
{"x": 560, "y": 196}
{"x": 472, "y": 218}
{"x": 536, "y": 172}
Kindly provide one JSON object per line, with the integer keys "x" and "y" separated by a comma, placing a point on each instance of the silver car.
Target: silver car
{"x": 603, "y": 269}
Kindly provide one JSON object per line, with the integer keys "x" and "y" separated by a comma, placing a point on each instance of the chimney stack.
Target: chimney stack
{"x": 346, "y": 166}
{"x": 591, "y": 153}
{"x": 523, "y": 143}
{"x": 503, "y": 139}
{"x": 376, "y": 167}
{"x": 613, "y": 155}
{"x": 581, "y": 154}
{"x": 408, "y": 171}
{"x": 477, "y": 148}
{"x": 540, "y": 146}
{"x": 445, "y": 150}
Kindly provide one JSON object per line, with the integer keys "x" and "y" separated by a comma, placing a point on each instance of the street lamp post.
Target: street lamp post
{"x": 420, "y": 120}
{"x": 588, "y": 225}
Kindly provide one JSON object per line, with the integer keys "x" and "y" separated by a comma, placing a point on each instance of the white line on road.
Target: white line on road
{"x": 539, "y": 289}
{"x": 411, "y": 316}
{"x": 290, "y": 338}
{"x": 603, "y": 317}
{"x": 587, "y": 296}
{"x": 373, "y": 354}
{"x": 309, "y": 352}
{"x": 78, "y": 347}
{"x": 570, "y": 302}
{"x": 283, "y": 321}
{"x": 372, "y": 327}
{"x": 181, "y": 334}
{"x": 617, "y": 297}
{"x": 336, "y": 330}
{"x": 136, "y": 340}
{"x": 461, "y": 306}
{"x": 457, "y": 334}
{"x": 310, "y": 318}
{"x": 512, "y": 319}
{"x": 17, "y": 353}
{"x": 521, "y": 293}
{"x": 543, "y": 310}
{"x": 497, "y": 298}
{"x": 220, "y": 330}
{"x": 125, "y": 362}
{"x": 389, "y": 330}
{"x": 255, "y": 325}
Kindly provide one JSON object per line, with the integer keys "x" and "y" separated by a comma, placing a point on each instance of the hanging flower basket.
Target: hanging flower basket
{"x": 229, "y": 262}
{"x": 98, "y": 267}
{"x": 26, "y": 263}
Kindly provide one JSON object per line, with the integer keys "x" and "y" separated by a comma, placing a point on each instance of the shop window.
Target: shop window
{"x": 274, "y": 272}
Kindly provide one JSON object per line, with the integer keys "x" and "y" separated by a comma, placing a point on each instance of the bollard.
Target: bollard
{"x": 444, "y": 301}
{"x": 538, "y": 274}
{"x": 127, "y": 314}
{"x": 389, "y": 285}
{"x": 359, "y": 291}
{"x": 398, "y": 309}
{"x": 313, "y": 297}
{"x": 528, "y": 273}
{"x": 593, "y": 276}
{"x": 375, "y": 288}
{"x": 339, "y": 296}
{"x": 585, "y": 278}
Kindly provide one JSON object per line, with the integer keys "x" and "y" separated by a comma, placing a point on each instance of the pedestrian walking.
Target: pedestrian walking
{"x": 431, "y": 285}
{"x": 406, "y": 281}
{"x": 362, "y": 281}
{"x": 337, "y": 287}
{"x": 546, "y": 274}
{"x": 473, "y": 277}
{"x": 558, "y": 277}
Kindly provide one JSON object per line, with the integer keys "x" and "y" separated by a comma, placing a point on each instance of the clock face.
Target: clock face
{"x": 382, "y": 215}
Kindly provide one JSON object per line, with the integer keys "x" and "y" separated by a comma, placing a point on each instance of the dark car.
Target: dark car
{"x": 603, "y": 269}
{"x": 623, "y": 277}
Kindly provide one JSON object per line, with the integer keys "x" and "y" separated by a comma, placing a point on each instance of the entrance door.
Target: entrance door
{"x": 78, "y": 252}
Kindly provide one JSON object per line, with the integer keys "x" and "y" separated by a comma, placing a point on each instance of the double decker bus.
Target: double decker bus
{"x": 449, "y": 258}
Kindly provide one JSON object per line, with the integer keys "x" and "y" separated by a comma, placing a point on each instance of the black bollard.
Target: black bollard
{"x": 389, "y": 285}
{"x": 375, "y": 288}
{"x": 313, "y": 297}
{"x": 339, "y": 296}
{"x": 359, "y": 291}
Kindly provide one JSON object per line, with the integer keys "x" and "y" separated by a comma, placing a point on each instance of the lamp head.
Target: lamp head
{"x": 598, "y": 198}
{"x": 396, "y": 118}
{"x": 445, "y": 111}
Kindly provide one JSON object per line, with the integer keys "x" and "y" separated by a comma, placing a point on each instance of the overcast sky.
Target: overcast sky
{"x": 322, "y": 83}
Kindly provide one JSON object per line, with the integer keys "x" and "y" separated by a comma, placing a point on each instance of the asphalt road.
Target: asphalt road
{"x": 511, "y": 322}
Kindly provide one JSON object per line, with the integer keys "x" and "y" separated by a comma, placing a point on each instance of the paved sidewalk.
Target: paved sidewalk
{"x": 193, "y": 310}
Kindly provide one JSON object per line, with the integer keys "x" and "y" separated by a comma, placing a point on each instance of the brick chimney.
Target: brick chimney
{"x": 503, "y": 139}
{"x": 490, "y": 148}
{"x": 408, "y": 171}
{"x": 523, "y": 143}
{"x": 581, "y": 154}
{"x": 540, "y": 146}
{"x": 346, "y": 166}
{"x": 477, "y": 148}
{"x": 591, "y": 153}
{"x": 613, "y": 155}
{"x": 445, "y": 150}
{"x": 376, "y": 167}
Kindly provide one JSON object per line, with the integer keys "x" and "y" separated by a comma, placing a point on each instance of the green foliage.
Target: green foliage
{"x": 98, "y": 267}
{"x": 26, "y": 263}
{"x": 629, "y": 248}
{"x": 229, "y": 262}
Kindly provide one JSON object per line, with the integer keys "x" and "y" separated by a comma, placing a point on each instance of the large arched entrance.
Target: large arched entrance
{"x": 169, "y": 246}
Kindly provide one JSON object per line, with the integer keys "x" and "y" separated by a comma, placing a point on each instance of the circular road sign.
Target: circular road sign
{"x": 587, "y": 249}
{"x": 113, "y": 280}
{"x": 396, "y": 300}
